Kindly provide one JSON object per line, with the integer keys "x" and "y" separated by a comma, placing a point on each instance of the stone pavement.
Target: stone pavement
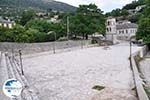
{"x": 71, "y": 75}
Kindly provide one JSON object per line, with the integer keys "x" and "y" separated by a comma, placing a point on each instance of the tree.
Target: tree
{"x": 87, "y": 20}
{"x": 124, "y": 12}
{"x": 144, "y": 30}
{"x": 31, "y": 33}
{"x": 116, "y": 12}
{"x": 134, "y": 4}
{"x": 144, "y": 25}
{"x": 26, "y": 16}
{"x": 6, "y": 34}
{"x": 19, "y": 34}
{"x": 44, "y": 27}
{"x": 41, "y": 25}
{"x": 135, "y": 18}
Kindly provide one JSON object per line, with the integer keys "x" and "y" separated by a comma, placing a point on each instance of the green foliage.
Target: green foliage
{"x": 146, "y": 12}
{"x": 13, "y": 7}
{"x": 144, "y": 25}
{"x": 135, "y": 18}
{"x": 124, "y": 10}
{"x": 147, "y": 89}
{"x": 26, "y": 16}
{"x": 5, "y": 34}
{"x": 144, "y": 30}
{"x": 134, "y": 4}
{"x": 34, "y": 31}
{"x": 117, "y": 13}
{"x": 41, "y": 25}
{"x": 87, "y": 20}
{"x": 17, "y": 34}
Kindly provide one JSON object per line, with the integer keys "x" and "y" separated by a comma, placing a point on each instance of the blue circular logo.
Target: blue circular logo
{"x": 12, "y": 88}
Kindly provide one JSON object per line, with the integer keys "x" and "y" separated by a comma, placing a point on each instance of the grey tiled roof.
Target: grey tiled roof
{"x": 126, "y": 26}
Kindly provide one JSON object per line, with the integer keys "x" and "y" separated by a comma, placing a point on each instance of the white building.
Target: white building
{"x": 6, "y": 23}
{"x": 54, "y": 19}
{"x": 111, "y": 30}
{"x": 119, "y": 30}
{"x": 138, "y": 8}
{"x": 126, "y": 30}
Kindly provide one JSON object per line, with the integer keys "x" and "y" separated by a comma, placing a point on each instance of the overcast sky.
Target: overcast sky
{"x": 104, "y": 5}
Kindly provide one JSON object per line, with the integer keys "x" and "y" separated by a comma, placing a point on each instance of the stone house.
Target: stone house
{"x": 6, "y": 23}
{"x": 119, "y": 30}
{"x": 126, "y": 30}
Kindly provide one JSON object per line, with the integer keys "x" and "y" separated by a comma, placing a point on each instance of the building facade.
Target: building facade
{"x": 120, "y": 30}
{"x": 136, "y": 10}
{"x": 6, "y": 23}
{"x": 126, "y": 30}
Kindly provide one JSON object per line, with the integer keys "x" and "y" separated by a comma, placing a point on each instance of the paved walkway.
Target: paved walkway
{"x": 71, "y": 75}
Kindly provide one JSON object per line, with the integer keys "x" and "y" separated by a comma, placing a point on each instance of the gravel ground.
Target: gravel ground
{"x": 71, "y": 75}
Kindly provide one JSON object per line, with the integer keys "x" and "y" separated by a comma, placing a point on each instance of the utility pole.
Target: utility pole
{"x": 54, "y": 43}
{"x": 130, "y": 53}
{"x": 54, "y": 47}
{"x": 21, "y": 65}
{"x": 68, "y": 27}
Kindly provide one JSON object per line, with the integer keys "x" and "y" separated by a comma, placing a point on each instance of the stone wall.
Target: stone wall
{"x": 137, "y": 79}
{"x": 29, "y": 48}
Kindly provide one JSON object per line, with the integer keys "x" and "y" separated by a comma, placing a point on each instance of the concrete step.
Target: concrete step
{"x": 28, "y": 93}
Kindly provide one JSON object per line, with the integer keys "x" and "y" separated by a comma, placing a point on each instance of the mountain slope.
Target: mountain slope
{"x": 37, "y": 4}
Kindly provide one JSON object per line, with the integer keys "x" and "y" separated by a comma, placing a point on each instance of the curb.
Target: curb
{"x": 138, "y": 81}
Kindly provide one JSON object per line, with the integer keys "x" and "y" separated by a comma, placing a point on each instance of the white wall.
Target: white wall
{"x": 126, "y": 35}
{"x": 9, "y": 25}
{"x": 111, "y": 25}
{"x": 112, "y": 37}
{"x": 5, "y": 25}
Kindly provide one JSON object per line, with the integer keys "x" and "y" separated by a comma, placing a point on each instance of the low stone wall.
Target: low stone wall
{"x": 137, "y": 79}
{"x": 29, "y": 48}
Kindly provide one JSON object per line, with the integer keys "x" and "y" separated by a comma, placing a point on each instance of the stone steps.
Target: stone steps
{"x": 10, "y": 68}
{"x": 3, "y": 75}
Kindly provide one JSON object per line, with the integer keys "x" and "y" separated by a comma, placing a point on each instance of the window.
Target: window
{"x": 107, "y": 29}
{"x": 108, "y": 23}
{"x": 119, "y": 32}
{"x": 110, "y": 29}
{"x": 7, "y": 25}
{"x": 126, "y": 31}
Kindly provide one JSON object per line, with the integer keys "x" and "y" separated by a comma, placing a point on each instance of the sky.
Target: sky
{"x": 104, "y": 5}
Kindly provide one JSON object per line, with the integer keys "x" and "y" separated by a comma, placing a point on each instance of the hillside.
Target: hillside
{"x": 7, "y": 6}
{"x": 129, "y": 12}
